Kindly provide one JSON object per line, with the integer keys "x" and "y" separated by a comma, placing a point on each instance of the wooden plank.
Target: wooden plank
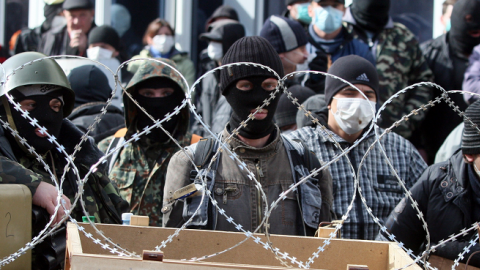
{"x": 197, "y": 243}
{"x": 15, "y": 224}
{"x": 398, "y": 258}
{"x": 103, "y": 262}
{"x": 442, "y": 263}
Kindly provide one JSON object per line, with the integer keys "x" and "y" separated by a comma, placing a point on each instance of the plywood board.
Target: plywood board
{"x": 197, "y": 243}
{"x": 15, "y": 224}
{"x": 442, "y": 263}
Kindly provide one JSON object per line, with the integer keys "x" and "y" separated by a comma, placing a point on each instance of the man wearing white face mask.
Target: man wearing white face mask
{"x": 212, "y": 105}
{"x": 328, "y": 40}
{"x": 350, "y": 115}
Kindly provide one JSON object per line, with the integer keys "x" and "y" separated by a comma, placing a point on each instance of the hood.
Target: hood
{"x": 348, "y": 18}
{"x": 153, "y": 69}
{"x": 90, "y": 84}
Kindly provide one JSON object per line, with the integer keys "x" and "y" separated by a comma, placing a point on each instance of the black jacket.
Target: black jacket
{"x": 56, "y": 42}
{"x": 84, "y": 115}
{"x": 444, "y": 196}
{"x": 448, "y": 69}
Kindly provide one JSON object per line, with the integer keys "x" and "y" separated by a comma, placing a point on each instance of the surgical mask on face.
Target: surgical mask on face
{"x": 99, "y": 53}
{"x": 353, "y": 114}
{"x": 215, "y": 51}
{"x": 163, "y": 43}
{"x": 448, "y": 26}
{"x": 302, "y": 13}
{"x": 328, "y": 19}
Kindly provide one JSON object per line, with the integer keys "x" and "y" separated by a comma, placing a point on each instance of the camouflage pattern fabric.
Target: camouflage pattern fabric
{"x": 141, "y": 166}
{"x": 400, "y": 63}
{"x": 101, "y": 197}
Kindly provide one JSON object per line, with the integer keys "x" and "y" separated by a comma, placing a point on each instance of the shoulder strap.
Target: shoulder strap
{"x": 204, "y": 152}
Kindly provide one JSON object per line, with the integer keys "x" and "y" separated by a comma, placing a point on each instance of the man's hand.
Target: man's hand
{"x": 46, "y": 197}
{"x": 78, "y": 39}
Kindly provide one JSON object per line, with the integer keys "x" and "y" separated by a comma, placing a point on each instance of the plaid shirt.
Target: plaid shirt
{"x": 378, "y": 185}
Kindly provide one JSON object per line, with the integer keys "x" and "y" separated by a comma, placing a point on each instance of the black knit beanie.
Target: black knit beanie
{"x": 104, "y": 34}
{"x": 249, "y": 49}
{"x": 286, "y": 112}
{"x": 283, "y": 33}
{"x": 355, "y": 70}
{"x": 471, "y": 136}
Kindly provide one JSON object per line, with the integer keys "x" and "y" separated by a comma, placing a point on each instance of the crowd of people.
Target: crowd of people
{"x": 260, "y": 124}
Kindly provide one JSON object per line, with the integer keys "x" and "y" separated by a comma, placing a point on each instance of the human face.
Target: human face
{"x": 350, "y": 92}
{"x": 104, "y": 46}
{"x": 325, "y": 4}
{"x": 164, "y": 31}
{"x": 156, "y": 92}
{"x": 293, "y": 8}
{"x": 269, "y": 84}
{"x": 79, "y": 19}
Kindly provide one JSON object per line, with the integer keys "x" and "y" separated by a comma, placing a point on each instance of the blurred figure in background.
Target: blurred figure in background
{"x": 286, "y": 113}
{"x": 29, "y": 39}
{"x": 447, "y": 57}
{"x": 160, "y": 40}
{"x": 399, "y": 63}
{"x": 73, "y": 38}
{"x": 121, "y": 22}
{"x": 298, "y": 10}
{"x": 447, "y": 8}
{"x": 91, "y": 94}
{"x": 212, "y": 106}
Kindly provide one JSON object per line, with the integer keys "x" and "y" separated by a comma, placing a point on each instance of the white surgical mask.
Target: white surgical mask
{"x": 99, "y": 53}
{"x": 215, "y": 50}
{"x": 58, "y": 21}
{"x": 328, "y": 19}
{"x": 353, "y": 114}
{"x": 163, "y": 43}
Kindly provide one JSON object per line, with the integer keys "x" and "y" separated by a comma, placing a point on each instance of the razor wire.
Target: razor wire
{"x": 223, "y": 149}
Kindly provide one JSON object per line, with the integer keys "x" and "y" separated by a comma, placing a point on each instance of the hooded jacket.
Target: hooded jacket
{"x": 444, "y": 195}
{"x": 140, "y": 167}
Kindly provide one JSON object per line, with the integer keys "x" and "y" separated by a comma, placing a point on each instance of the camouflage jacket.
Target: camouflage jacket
{"x": 140, "y": 167}
{"x": 101, "y": 197}
{"x": 141, "y": 184}
{"x": 400, "y": 63}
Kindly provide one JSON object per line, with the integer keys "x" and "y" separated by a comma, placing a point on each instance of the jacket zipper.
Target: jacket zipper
{"x": 259, "y": 204}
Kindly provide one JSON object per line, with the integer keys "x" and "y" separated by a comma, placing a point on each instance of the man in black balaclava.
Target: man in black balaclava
{"x": 260, "y": 146}
{"x": 399, "y": 63}
{"x": 447, "y": 57}
{"x": 158, "y": 89}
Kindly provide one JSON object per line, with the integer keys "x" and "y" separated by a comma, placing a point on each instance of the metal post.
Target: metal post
{"x": 102, "y": 12}
{"x": 2, "y": 22}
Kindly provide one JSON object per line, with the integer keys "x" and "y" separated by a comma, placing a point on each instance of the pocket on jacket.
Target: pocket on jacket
{"x": 225, "y": 192}
{"x": 124, "y": 181}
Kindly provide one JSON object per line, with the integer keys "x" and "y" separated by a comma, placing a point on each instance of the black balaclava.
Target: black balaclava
{"x": 371, "y": 15}
{"x": 42, "y": 112}
{"x": 243, "y": 102}
{"x": 465, "y": 17}
{"x": 256, "y": 50}
{"x": 158, "y": 107}
{"x": 50, "y": 11}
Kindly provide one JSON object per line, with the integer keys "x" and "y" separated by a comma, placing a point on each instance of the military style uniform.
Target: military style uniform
{"x": 140, "y": 167}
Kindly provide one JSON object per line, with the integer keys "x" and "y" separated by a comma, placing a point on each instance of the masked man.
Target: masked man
{"x": 42, "y": 90}
{"x": 139, "y": 168}
{"x": 349, "y": 117}
{"x": 265, "y": 152}
{"x": 448, "y": 195}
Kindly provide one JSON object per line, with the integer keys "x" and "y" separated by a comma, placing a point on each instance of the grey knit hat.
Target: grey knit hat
{"x": 249, "y": 49}
{"x": 471, "y": 135}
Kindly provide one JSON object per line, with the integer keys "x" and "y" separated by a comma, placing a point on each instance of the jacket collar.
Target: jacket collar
{"x": 246, "y": 151}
